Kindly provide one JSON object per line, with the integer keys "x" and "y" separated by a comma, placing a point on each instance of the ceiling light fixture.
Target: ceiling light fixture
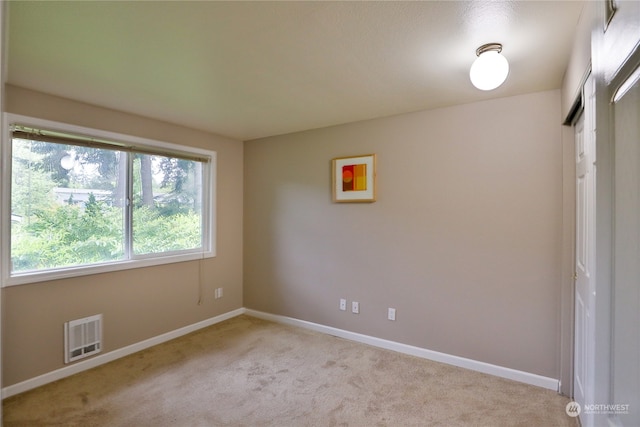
{"x": 490, "y": 69}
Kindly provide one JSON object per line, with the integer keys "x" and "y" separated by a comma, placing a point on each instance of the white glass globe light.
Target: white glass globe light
{"x": 489, "y": 70}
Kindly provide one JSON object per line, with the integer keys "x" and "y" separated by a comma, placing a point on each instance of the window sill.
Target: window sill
{"x": 87, "y": 270}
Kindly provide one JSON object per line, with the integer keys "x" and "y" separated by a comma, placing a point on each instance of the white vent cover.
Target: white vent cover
{"x": 82, "y": 338}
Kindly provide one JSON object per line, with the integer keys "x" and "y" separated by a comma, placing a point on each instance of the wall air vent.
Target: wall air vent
{"x": 82, "y": 338}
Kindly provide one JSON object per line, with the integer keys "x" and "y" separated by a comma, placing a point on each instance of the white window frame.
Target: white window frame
{"x": 208, "y": 249}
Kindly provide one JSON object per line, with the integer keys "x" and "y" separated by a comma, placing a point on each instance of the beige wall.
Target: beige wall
{"x": 465, "y": 240}
{"x": 580, "y": 59}
{"x": 137, "y": 304}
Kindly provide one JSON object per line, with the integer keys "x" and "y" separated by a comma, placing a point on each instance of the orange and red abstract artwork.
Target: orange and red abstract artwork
{"x": 354, "y": 177}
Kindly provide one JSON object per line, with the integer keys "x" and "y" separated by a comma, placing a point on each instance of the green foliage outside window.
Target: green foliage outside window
{"x": 59, "y": 236}
{"x": 73, "y": 217}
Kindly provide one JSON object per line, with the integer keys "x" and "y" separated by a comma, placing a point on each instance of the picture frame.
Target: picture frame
{"x": 354, "y": 179}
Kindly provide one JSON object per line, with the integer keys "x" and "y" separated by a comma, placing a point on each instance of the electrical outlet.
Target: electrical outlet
{"x": 217, "y": 293}
{"x": 355, "y": 307}
{"x": 343, "y": 304}
{"x": 391, "y": 315}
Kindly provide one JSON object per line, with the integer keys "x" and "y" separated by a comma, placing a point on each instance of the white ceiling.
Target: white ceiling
{"x": 254, "y": 69}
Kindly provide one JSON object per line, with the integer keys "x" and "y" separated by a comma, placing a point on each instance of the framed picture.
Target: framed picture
{"x": 354, "y": 179}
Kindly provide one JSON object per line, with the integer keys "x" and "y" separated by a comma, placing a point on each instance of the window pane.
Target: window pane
{"x": 167, "y": 204}
{"x": 66, "y": 205}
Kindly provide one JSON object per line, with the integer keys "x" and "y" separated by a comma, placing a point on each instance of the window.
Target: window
{"x": 80, "y": 201}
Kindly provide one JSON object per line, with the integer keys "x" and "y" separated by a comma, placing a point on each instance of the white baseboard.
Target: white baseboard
{"x": 113, "y": 355}
{"x": 474, "y": 365}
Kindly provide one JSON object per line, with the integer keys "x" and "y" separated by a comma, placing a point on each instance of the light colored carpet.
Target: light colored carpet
{"x": 250, "y": 372}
